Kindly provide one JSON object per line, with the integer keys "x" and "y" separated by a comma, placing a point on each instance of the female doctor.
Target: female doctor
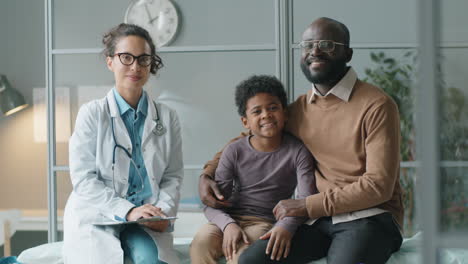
{"x": 125, "y": 163}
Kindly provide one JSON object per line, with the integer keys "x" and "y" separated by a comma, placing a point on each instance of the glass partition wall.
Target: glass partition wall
{"x": 451, "y": 93}
{"x": 202, "y": 65}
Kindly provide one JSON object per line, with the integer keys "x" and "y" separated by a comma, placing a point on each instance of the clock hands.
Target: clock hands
{"x": 151, "y": 20}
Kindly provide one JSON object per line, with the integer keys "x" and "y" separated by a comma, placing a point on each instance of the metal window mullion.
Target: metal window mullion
{"x": 180, "y": 49}
{"x": 282, "y": 43}
{"x": 61, "y": 168}
{"x": 51, "y": 179}
{"x": 285, "y": 47}
{"x": 278, "y": 38}
{"x": 290, "y": 51}
{"x": 277, "y": 46}
{"x": 427, "y": 133}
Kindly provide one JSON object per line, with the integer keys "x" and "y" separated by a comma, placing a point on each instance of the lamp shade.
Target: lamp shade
{"x": 11, "y": 101}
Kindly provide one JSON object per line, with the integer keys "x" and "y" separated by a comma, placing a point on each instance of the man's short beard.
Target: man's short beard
{"x": 333, "y": 74}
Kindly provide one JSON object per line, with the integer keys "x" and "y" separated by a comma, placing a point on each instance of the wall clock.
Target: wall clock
{"x": 159, "y": 17}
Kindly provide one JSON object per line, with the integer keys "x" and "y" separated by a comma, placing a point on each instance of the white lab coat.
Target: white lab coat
{"x": 93, "y": 198}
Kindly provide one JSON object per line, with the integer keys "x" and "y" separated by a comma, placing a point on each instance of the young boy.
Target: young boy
{"x": 255, "y": 173}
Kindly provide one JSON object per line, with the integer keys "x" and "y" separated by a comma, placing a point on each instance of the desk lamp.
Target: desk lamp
{"x": 11, "y": 101}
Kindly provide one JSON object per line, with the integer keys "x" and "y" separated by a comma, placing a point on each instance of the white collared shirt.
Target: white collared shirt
{"x": 341, "y": 90}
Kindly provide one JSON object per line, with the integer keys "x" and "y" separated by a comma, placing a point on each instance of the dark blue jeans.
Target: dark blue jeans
{"x": 370, "y": 240}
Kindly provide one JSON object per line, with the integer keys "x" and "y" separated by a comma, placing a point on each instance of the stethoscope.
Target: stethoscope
{"x": 159, "y": 130}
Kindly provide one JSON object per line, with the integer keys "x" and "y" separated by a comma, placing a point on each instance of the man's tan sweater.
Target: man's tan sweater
{"x": 356, "y": 145}
{"x": 357, "y": 148}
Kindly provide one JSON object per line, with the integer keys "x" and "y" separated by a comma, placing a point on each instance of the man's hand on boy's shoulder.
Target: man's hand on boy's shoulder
{"x": 232, "y": 236}
{"x": 279, "y": 243}
{"x": 290, "y": 207}
{"x": 210, "y": 194}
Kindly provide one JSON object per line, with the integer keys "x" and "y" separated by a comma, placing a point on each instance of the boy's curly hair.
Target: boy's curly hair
{"x": 258, "y": 84}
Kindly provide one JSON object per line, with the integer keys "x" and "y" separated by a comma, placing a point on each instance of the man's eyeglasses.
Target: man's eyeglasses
{"x": 322, "y": 45}
{"x": 127, "y": 59}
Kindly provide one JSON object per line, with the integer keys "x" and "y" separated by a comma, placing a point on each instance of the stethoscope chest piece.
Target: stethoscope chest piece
{"x": 159, "y": 130}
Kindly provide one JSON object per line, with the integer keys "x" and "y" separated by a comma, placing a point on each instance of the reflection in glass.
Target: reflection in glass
{"x": 453, "y": 125}
{"x": 454, "y": 199}
{"x": 454, "y": 154}
{"x": 452, "y": 255}
{"x": 407, "y": 182}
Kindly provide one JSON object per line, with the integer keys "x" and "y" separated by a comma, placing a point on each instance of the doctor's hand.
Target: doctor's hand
{"x": 144, "y": 211}
{"x": 158, "y": 226}
{"x": 210, "y": 194}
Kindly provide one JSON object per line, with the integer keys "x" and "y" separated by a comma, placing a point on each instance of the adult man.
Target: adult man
{"x": 352, "y": 129}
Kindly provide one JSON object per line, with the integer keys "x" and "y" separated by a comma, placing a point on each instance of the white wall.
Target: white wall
{"x": 3, "y": 30}
{"x": 22, "y": 161}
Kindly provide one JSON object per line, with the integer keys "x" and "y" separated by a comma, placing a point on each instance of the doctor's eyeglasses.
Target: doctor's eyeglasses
{"x": 322, "y": 45}
{"x": 128, "y": 59}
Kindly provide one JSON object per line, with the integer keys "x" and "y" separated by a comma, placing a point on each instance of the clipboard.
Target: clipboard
{"x": 139, "y": 221}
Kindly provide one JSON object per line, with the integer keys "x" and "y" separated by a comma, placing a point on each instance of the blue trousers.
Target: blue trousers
{"x": 139, "y": 245}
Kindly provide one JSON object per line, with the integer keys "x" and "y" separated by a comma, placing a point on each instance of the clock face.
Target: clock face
{"x": 159, "y": 17}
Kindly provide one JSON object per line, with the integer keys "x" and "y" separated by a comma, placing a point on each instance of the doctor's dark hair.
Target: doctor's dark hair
{"x": 258, "y": 84}
{"x": 111, "y": 38}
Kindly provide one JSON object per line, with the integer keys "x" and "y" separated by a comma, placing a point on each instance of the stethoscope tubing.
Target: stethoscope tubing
{"x": 159, "y": 130}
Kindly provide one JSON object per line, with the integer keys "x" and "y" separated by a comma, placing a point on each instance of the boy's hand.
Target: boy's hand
{"x": 279, "y": 243}
{"x": 231, "y": 238}
{"x": 210, "y": 194}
